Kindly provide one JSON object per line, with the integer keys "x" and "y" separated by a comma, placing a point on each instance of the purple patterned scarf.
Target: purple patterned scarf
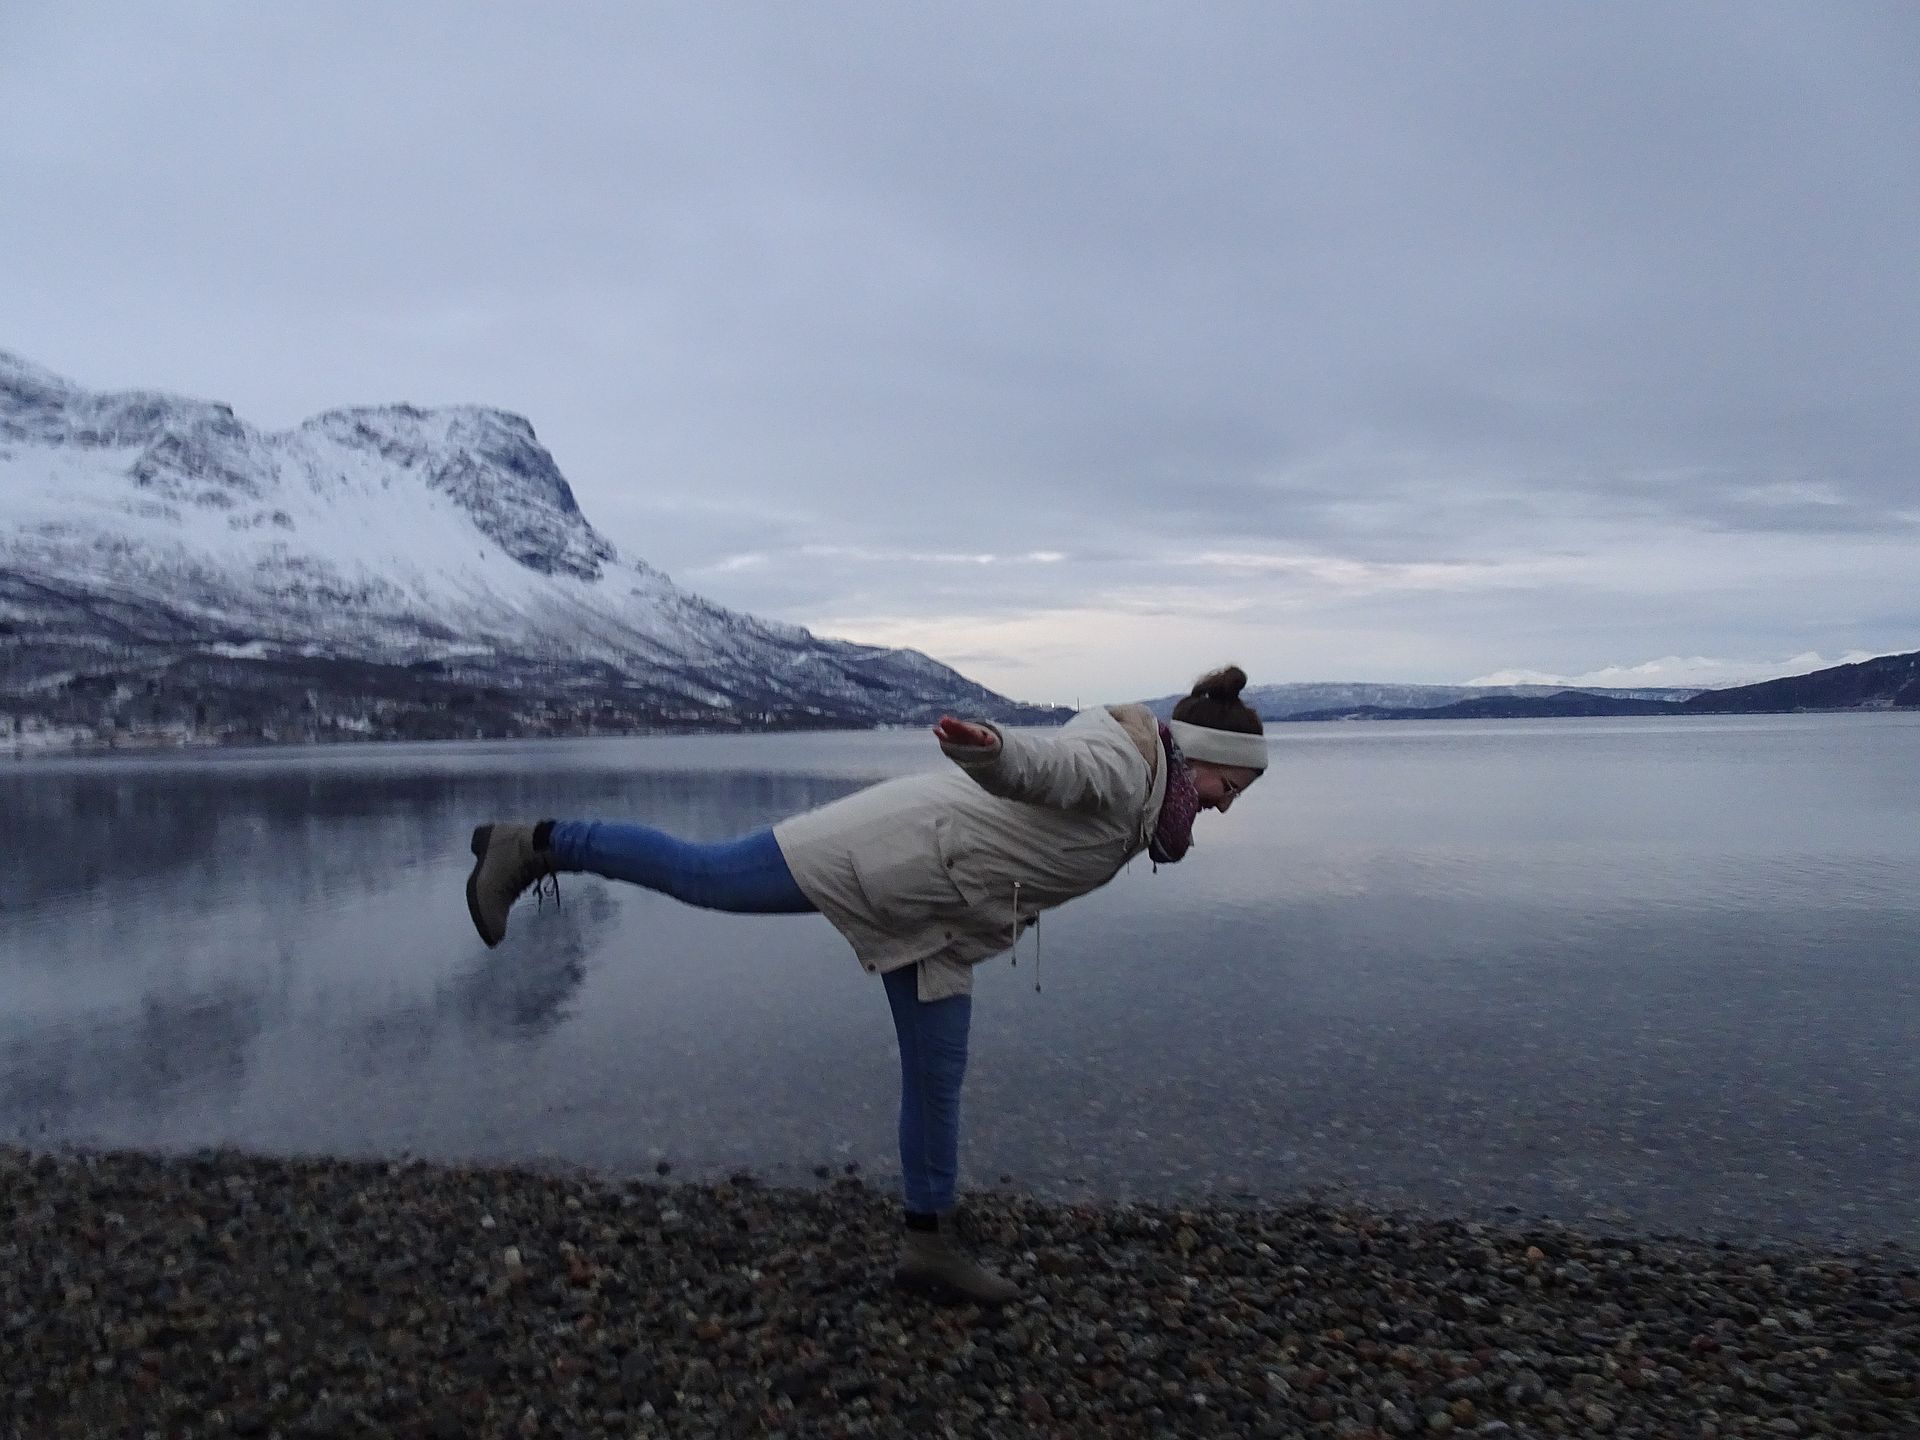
{"x": 1173, "y": 833}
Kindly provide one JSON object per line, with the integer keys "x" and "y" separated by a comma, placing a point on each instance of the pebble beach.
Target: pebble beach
{"x": 228, "y": 1294}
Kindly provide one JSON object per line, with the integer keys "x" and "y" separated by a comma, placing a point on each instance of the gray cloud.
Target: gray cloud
{"x": 1522, "y": 295}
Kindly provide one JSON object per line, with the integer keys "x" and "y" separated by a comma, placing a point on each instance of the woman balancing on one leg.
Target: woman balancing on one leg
{"x": 926, "y": 876}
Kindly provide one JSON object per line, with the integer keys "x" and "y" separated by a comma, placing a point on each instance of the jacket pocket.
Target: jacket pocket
{"x": 994, "y": 906}
{"x": 973, "y": 880}
{"x": 904, "y": 874}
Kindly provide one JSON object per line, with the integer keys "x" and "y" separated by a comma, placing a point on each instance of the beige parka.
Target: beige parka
{"x": 943, "y": 870}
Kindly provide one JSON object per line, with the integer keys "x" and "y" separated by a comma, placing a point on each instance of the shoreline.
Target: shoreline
{"x": 223, "y": 1293}
{"x": 138, "y": 745}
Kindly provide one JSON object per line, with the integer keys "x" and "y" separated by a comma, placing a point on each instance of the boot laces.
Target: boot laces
{"x": 546, "y": 883}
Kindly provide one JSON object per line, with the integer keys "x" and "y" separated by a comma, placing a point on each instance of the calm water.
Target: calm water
{"x": 1661, "y": 974}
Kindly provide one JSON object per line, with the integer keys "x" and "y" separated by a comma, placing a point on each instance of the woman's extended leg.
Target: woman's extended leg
{"x": 748, "y": 876}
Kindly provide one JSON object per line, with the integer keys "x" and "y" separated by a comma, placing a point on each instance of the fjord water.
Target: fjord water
{"x": 1660, "y": 974}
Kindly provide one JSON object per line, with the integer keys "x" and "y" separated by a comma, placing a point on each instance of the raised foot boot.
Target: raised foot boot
{"x": 931, "y": 1265}
{"x": 505, "y": 862}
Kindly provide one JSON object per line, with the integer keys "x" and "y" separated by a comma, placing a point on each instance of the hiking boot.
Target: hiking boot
{"x": 931, "y": 1265}
{"x": 505, "y": 863}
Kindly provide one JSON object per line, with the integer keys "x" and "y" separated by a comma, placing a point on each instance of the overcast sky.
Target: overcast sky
{"x": 1081, "y": 346}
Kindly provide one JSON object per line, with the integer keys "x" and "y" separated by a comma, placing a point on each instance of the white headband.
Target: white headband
{"x": 1220, "y": 747}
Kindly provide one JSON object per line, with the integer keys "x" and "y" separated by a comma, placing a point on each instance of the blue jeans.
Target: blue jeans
{"x": 933, "y": 1062}
{"x": 749, "y": 876}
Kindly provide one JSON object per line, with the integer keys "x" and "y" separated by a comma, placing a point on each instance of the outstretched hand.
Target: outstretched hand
{"x": 958, "y": 732}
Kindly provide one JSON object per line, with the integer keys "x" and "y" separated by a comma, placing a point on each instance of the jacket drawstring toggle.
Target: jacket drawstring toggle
{"x": 1013, "y": 954}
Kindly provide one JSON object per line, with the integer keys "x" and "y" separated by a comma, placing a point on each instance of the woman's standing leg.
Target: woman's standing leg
{"x": 933, "y": 1067}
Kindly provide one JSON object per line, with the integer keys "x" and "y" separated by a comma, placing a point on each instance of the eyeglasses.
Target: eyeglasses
{"x": 1231, "y": 788}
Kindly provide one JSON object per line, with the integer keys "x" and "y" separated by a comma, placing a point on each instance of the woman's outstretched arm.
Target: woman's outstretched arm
{"x": 1077, "y": 769}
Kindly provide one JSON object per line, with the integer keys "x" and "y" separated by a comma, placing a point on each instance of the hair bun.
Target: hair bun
{"x": 1223, "y": 685}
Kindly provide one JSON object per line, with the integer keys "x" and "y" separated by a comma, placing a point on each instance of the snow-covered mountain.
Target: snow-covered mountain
{"x": 150, "y": 543}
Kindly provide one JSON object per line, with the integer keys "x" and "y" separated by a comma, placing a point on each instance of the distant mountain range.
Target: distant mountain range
{"x": 167, "y": 570}
{"x": 1358, "y": 700}
{"x": 1886, "y": 683}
